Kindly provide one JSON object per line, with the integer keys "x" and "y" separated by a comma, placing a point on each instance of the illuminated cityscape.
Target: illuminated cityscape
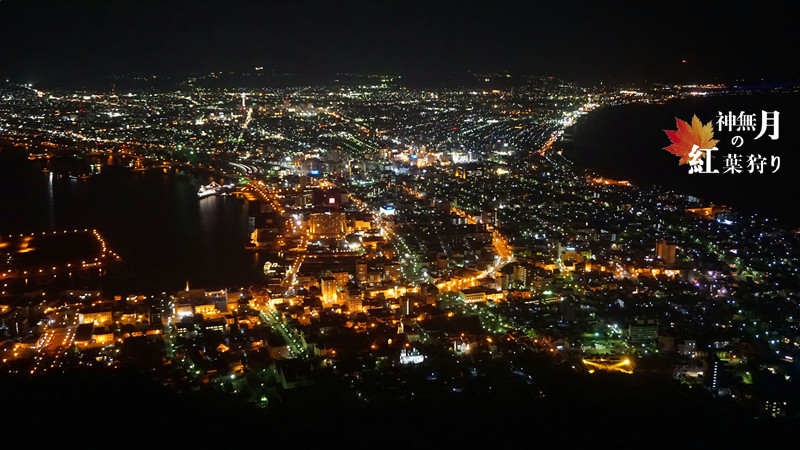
{"x": 365, "y": 253}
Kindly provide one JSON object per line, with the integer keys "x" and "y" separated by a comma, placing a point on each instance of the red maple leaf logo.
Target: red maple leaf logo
{"x": 686, "y": 137}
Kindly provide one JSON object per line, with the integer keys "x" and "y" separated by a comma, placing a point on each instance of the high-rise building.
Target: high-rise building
{"x": 361, "y": 271}
{"x": 716, "y": 379}
{"x": 341, "y": 278}
{"x": 328, "y": 288}
{"x": 353, "y": 298}
{"x": 665, "y": 251}
{"x": 521, "y": 273}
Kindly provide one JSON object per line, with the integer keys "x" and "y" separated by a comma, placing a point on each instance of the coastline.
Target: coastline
{"x": 627, "y": 142}
{"x": 201, "y": 241}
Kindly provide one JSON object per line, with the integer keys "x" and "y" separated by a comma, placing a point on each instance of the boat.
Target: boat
{"x": 209, "y": 189}
{"x": 214, "y": 188}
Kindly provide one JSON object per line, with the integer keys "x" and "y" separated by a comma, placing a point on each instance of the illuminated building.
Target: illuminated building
{"x": 389, "y": 291}
{"x": 725, "y": 217}
{"x": 472, "y": 295}
{"x": 716, "y": 380}
{"x": 361, "y": 271}
{"x": 213, "y": 325}
{"x": 489, "y": 216}
{"x": 665, "y": 251}
{"x": 406, "y": 305}
{"x": 521, "y": 274}
{"x": 132, "y": 318}
{"x": 342, "y": 278}
{"x": 328, "y": 287}
{"x": 99, "y": 318}
{"x": 412, "y": 356}
{"x": 362, "y": 225}
{"x": 102, "y": 337}
{"x": 352, "y": 298}
{"x": 327, "y": 225}
{"x": 311, "y": 166}
{"x": 495, "y": 296}
{"x": 205, "y": 310}
{"x": 183, "y": 310}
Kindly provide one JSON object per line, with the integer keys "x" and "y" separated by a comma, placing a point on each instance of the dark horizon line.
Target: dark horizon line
{"x": 428, "y": 79}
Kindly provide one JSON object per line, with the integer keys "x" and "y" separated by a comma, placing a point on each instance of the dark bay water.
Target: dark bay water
{"x": 627, "y": 142}
{"x": 153, "y": 220}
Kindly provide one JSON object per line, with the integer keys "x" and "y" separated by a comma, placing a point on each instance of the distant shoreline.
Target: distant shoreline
{"x": 627, "y": 141}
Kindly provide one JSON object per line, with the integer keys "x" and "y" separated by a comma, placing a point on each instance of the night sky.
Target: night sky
{"x": 52, "y": 41}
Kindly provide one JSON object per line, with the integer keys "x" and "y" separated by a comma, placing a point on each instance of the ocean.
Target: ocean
{"x": 627, "y": 142}
{"x": 164, "y": 234}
